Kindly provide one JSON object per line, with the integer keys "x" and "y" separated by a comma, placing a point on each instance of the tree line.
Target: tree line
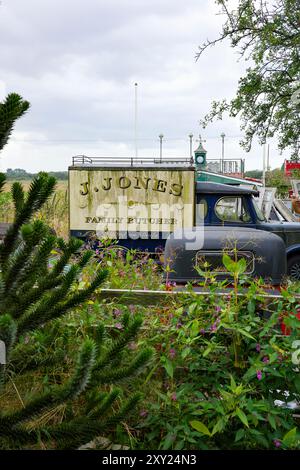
{"x": 18, "y": 174}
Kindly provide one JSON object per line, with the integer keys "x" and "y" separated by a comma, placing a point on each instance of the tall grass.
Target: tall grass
{"x": 6, "y": 207}
{"x": 55, "y": 212}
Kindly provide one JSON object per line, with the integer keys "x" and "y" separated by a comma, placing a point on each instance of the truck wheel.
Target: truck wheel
{"x": 293, "y": 267}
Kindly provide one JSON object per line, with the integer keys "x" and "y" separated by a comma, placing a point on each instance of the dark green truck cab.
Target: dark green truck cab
{"x": 225, "y": 205}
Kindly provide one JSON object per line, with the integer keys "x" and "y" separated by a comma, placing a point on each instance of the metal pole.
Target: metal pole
{"x": 161, "y": 136}
{"x": 154, "y": 297}
{"x": 264, "y": 165}
{"x": 191, "y": 145}
{"x": 223, "y": 152}
{"x": 135, "y": 119}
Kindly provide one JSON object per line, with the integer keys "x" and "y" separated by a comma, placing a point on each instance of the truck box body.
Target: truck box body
{"x": 137, "y": 205}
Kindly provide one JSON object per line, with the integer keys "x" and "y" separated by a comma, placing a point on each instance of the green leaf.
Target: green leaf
{"x": 272, "y": 421}
{"x": 169, "y": 367}
{"x": 297, "y": 382}
{"x": 192, "y": 307}
{"x": 232, "y": 384}
{"x": 200, "y": 427}
{"x": 241, "y": 266}
{"x": 245, "y": 333}
{"x": 218, "y": 427}
{"x": 242, "y": 417}
{"x": 185, "y": 352}
{"x": 229, "y": 264}
{"x": 251, "y": 306}
{"x": 290, "y": 436}
{"x": 239, "y": 435}
{"x": 207, "y": 351}
{"x": 168, "y": 442}
{"x": 194, "y": 328}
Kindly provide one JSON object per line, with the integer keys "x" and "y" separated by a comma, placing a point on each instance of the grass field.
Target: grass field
{"x": 55, "y": 211}
{"x": 61, "y": 185}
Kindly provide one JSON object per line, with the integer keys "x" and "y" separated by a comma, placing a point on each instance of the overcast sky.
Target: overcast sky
{"x": 77, "y": 62}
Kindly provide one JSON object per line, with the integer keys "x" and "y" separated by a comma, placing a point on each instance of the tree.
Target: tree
{"x": 277, "y": 179}
{"x": 32, "y": 297}
{"x": 268, "y": 96}
{"x": 254, "y": 174}
{"x": 12, "y": 108}
{"x": 35, "y": 296}
{"x": 17, "y": 174}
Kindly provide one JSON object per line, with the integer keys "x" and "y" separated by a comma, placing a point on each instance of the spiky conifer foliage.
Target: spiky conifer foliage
{"x": 33, "y": 297}
{"x": 12, "y": 108}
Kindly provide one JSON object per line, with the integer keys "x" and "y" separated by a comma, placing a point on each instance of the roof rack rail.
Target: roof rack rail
{"x": 80, "y": 160}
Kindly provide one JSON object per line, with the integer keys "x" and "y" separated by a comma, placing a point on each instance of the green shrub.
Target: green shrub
{"x": 226, "y": 367}
{"x": 35, "y": 293}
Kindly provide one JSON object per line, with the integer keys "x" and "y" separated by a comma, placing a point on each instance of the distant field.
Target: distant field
{"x": 62, "y": 185}
{"x": 54, "y": 212}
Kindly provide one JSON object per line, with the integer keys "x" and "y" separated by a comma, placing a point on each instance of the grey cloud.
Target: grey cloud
{"x": 77, "y": 61}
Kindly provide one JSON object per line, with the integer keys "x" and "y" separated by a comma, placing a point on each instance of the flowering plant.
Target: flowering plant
{"x": 230, "y": 378}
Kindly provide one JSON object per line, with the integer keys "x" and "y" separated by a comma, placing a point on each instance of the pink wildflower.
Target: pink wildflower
{"x": 172, "y": 353}
{"x": 277, "y": 443}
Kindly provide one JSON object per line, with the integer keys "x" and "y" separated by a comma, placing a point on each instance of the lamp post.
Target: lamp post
{"x": 191, "y": 145}
{"x": 135, "y": 118}
{"x": 223, "y": 151}
{"x": 161, "y": 136}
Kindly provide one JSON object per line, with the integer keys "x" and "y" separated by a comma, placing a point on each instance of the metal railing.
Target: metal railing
{"x": 83, "y": 160}
{"x": 215, "y": 165}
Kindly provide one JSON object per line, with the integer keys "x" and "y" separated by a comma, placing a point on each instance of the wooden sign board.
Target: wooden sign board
{"x": 115, "y": 200}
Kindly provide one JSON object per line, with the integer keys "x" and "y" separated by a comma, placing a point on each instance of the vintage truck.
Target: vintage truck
{"x": 139, "y": 203}
{"x": 185, "y": 262}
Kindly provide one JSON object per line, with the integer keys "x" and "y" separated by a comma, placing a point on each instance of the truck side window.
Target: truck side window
{"x": 201, "y": 211}
{"x": 232, "y": 209}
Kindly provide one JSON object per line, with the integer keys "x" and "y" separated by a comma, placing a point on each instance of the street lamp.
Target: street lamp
{"x": 135, "y": 119}
{"x": 191, "y": 145}
{"x": 161, "y": 136}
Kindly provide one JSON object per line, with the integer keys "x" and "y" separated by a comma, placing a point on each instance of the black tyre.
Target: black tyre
{"x": 293, "y": 267}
